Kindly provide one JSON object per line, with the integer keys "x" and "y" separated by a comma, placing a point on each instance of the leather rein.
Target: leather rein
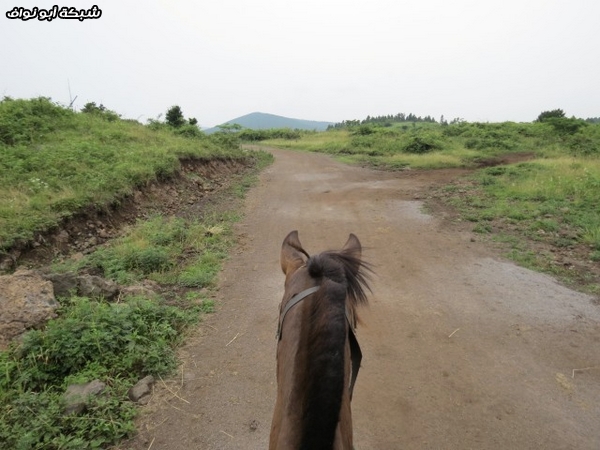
{"x": 355, "y": 352}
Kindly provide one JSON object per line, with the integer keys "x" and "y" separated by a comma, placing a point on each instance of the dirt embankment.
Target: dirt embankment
{"x": 185, "y": 192}
{"x": 462, "y": 349}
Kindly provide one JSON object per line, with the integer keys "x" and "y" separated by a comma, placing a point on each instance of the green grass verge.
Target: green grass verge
{"x": 117, "y": 343}
{"x": 54, "y": 162}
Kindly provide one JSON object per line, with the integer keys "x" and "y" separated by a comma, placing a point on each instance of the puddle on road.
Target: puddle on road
{"x": 529, "y": 294}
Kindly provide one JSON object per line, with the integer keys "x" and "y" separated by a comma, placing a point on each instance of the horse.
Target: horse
{"x": 318, "y": 356}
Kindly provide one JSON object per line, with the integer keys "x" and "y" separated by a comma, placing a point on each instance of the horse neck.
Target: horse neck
{"x": 321, "y": 365}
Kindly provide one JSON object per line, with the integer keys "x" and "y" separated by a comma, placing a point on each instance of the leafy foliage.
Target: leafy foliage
{"x": 174, "y": 117}
{"x": 385, "y": 121}
{"x": 420, "y": 144}
{"x": 563, "y": 125}
{"x": 116, "y": 342}
{"x": 554, "y": 114}
{"x": 29, "y": 121}
{"x": 273, "y": 133}
{"x": 91, "y": 108}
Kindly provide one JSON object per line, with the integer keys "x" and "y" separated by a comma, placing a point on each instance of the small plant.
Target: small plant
{"x": 148, "y": 260}
{"x": 421, "y": 144}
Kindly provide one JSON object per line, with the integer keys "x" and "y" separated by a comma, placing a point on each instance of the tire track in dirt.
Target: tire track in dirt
{"x": 461, "y": 349}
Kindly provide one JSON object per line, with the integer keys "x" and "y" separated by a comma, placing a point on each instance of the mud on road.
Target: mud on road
{"x": 462, "y": 349}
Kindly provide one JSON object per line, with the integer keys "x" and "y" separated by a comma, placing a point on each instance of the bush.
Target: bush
{"x": 148, "y": 260}
{"x": 363, "y": 130}
{"x": 26, "y": 121}
{"x": 420, "y": 144}
{"x": 189, "y": 131}
{"x": 273, "y": 133}
{"x": 563, "y": 125}
{"x": 100, "y": 111}
{"x": 554, "y": 114}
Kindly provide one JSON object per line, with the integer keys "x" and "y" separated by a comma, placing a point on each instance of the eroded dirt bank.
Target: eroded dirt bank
{"x": 183, "y": 193}
{"x": 461, "y": 348}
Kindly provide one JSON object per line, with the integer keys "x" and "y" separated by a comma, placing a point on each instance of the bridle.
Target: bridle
{"x": 355, "y": 352}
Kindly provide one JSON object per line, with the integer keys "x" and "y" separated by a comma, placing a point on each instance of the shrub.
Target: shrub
{"x": 555, "y": 113}
{"x": 148, "y": 260}
{"x": 100, "y": 111}
{"x": 420, "y": 144}
{"x": 26, "y": 121}
{"x": 563, "y": 125}
{"x": 363, "y": 130}
{"x": 189, "y": 131}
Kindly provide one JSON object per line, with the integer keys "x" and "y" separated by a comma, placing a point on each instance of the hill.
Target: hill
{"x": 55, "y": 162}
{"x": 262, "y": 121}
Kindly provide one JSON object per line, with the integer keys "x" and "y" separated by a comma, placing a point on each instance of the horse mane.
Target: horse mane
{"x": 345, "y": 268}
{"x": 341, "y": 276}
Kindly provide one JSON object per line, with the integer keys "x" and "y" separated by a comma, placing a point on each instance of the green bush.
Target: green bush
{"x": 147, "y": 261}
{"x": 189, "y": 131}
{"x": 420, "y": 144}
{"x": 27, "y": 121}
{"x": 553, "y": 114}
{"x": 563, "y": 125}
{"x": 251, "y": 135}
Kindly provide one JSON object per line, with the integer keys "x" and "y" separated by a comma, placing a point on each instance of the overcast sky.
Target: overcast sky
{"x": 311, "y": 59}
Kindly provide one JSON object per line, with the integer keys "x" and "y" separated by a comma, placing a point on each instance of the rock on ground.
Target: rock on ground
{"x": 26, "y": 301}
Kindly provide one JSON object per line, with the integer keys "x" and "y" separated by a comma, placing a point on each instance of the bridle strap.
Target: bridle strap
{"x": 355, "y": 357}
{"x": 355, "y": 352}
{"x": 294, "y": 301}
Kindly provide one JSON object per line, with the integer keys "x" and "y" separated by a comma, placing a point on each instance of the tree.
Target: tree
{"x": 91, "y": 108}
{"x": 193, "y": 121}
{"x": 100, "y": 111}
{"x": 175, "y": 117}
{"x": 555, "y": 113}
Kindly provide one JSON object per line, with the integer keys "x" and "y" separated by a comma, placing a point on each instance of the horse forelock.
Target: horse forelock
{"x": 344, "y": 268}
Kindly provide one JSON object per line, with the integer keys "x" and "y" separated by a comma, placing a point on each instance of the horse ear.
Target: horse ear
{"x": 353, "y": 247}
{"x": 292, "y": 253}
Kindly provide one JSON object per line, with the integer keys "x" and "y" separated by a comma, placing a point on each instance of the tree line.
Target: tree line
{"x": 385, "y": 120}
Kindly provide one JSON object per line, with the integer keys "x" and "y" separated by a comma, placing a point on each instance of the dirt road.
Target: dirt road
{"x": 462, "y": 350}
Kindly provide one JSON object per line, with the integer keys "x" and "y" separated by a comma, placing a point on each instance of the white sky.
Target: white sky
{"x": 330, "y": 60}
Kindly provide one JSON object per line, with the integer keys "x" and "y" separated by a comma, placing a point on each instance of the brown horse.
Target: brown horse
{"x": 317, "y": 353}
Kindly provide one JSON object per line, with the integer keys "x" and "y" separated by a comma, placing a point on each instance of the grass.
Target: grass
{"x": 116, "y": 343}
{"x": 54, "y": 163}
{"x": 422, "y": 146}
{"x": 558, "y": 196}
{"x": 553, "y": 201}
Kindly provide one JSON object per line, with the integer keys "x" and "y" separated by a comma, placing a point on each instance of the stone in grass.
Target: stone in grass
{"x": 93, "y": 286}
{"x": 140, "y": 393}
{"x": 77, "y": 395}
{"x": 26, "y": 301}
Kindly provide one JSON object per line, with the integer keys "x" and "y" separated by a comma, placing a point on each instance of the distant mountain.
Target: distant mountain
{"x": 261, "y": 121}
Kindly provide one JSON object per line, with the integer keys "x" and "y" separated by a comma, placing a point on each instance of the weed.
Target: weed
{"x": 117, "y": 343}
